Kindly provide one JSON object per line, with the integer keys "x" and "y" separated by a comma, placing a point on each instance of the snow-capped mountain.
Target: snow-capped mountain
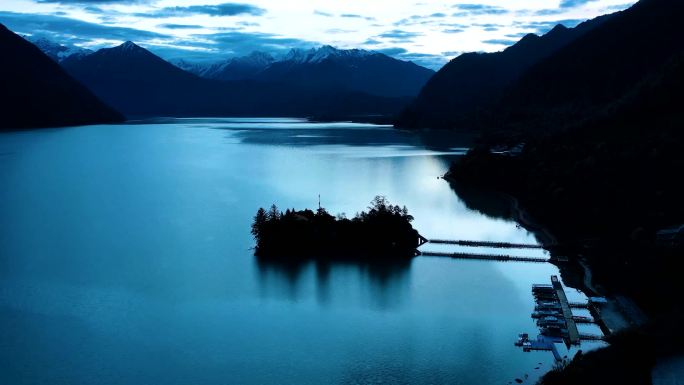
{"x": 57, "y": 52}
{"x": 325, "y": 67}
{"x": 352, "y": 69}
{"x": 317, "y": 55}
{"x": 239, "y": 68}
{"x": 197, "y": 68}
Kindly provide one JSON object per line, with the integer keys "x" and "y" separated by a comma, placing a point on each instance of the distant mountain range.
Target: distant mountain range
{"x": 358, "y": 70}
{"x": 36, "y": 92}
{"x": 56, "y": 51}
{"x": 323, "y": 68}
{"x": 139, "y": 83}
{"x": 238, "y": 68}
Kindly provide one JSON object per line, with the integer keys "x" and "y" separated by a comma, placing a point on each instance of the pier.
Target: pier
{"x": 553, "y": 316}
{"x": 480, "y": 256}
{"x": 498, "y": 245}
{"x": 572, "y": 334}
{"x": 591, "y": 337}
{"x": 485, "y": 257}
{"x": 578, "y": 305}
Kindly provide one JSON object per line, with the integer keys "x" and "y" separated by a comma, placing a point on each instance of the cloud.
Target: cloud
{"x": 398, "y": 35}
{"x": 224, "y": 9}
{"x": 180, "y": 26}
{"x": 478, "y": 9}
{"x": 433, "y": 18}
{"x": 505, "y": 42}
{"x": 392, "y": 51}
{"x": 618, "y": 7}
{"x": 356, "y": 16}
{"x": 372, "y": 41}
{"x": 434, "y": 62}
{"x": 95, "y": 1}
{"x": 72, "y": 31}
{"x": 426, "y": 60}
{"x": 542, "y": 27}
{"x": 339, "y": 30}
{"x": 574, "y": 3}
{"x": 321, "y": 13}
{"x": 547, "y": 12}
{"x": 239, "y": 43}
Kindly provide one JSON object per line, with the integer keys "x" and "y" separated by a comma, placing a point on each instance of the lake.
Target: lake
{"x": 125, "y": 258}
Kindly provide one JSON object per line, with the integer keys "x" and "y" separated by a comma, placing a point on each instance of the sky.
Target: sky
{"x": 427, "y": 32}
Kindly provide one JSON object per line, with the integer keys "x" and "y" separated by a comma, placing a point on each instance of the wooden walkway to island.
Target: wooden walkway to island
{"x": 498, "y": 245}
{"x": 485, "y": 257}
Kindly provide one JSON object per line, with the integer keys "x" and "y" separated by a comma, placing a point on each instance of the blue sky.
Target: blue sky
{"x": 427, "y": 32}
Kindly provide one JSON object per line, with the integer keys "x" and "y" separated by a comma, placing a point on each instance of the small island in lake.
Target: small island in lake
{"x": 383, "y": 231}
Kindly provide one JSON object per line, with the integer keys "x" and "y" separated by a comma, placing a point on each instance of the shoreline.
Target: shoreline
{"x": 521, "y": 216}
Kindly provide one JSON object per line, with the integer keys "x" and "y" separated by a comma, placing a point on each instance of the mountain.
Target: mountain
{"x": 135, "y": 81}
{"x": 588, "y": 78}
{"x": 56, "y": 51}
{"x": 36, "y": 92}
{"x": 195, "y": 68}
{"x": 598, "y": 125}
{"x": 323, "y": 69}
{"x": 471, "y": 84}
{"x": 353, "y": 70}
{"x": 240, "y": 68}
{"x": 139, "y": 83}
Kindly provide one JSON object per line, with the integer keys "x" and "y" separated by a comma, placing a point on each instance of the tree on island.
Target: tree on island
{"x": 382, "y": 231}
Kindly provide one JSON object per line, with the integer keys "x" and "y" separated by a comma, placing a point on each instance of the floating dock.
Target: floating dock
{"x": 542, "y": 343}
{"x": 573, "y": 334}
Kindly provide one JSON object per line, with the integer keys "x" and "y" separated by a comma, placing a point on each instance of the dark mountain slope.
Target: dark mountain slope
{"x": 601, "y": 126}
{"x": 138, "y": 82}
{"x": 36, "y": 92}
{"x": 598, "y": 69}
{"x": 464, "y": 90}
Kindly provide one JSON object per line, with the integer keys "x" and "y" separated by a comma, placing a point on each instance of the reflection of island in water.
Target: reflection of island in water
{"x": 385, "y": 284}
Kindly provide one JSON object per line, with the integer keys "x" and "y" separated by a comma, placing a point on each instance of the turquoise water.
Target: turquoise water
{"x": 125, "y": 259}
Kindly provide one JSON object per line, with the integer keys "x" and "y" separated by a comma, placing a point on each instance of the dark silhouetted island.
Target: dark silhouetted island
{"x": 382, "y": 232}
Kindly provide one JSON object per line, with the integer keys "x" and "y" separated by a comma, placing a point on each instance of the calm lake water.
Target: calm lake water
{"x": 125, "y": 259}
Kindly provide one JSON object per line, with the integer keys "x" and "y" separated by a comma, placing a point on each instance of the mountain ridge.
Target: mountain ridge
{"x": 38, "y": 93}
{"x": 139, "y": 83}
{"x": 461, "y": 94}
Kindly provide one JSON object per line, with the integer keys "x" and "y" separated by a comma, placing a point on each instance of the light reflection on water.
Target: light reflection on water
{"x": 125, "y": 258}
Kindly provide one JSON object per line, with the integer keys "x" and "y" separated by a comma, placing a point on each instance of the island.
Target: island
{"x": 383, "y": 231}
